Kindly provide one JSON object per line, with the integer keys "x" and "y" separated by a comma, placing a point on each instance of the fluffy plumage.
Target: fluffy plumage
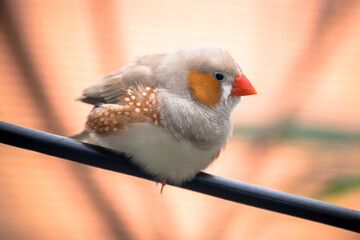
{"x": 169, "y": 112}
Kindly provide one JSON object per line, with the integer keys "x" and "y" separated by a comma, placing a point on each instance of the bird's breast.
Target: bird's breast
{"x": 158, "y": 152}
{"x": 206, "y": 127}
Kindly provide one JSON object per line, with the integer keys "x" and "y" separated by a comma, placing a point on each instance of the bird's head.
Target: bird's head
{"x": 206, "y": 74}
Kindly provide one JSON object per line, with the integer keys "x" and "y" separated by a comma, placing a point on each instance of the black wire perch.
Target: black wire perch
{"x": 236, "y": 191}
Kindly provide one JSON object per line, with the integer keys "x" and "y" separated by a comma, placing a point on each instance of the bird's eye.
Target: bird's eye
{"x": 219, "y": 76}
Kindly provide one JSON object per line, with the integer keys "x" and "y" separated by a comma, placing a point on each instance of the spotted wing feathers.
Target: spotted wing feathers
{"x": 133, "y": 106}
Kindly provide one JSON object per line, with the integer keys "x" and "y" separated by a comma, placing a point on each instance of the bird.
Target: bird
{"x": 169, "y": 113}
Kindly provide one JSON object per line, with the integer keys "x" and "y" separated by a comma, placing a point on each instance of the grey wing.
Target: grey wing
{"x": 111, "y": 86}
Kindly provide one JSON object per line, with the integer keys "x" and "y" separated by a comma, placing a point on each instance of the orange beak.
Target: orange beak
{"x": 242, "y": 86}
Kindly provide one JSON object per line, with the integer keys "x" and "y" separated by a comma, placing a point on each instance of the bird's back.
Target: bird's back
{"x": 110, "y": 87}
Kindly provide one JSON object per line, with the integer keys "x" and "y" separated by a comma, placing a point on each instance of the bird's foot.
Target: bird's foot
{"x": 163, "y": 183}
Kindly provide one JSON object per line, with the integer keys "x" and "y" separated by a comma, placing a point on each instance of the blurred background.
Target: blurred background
{"x": 300, "y": 134}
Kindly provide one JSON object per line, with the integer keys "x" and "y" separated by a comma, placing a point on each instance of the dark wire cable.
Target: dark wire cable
{"x": 236, "y": 191}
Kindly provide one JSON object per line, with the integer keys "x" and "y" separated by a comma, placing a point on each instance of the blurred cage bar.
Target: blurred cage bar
{"x": 301, "y": 134}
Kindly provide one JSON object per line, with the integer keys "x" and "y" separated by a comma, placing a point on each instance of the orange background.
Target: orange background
{"x": 300, "y": 134}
